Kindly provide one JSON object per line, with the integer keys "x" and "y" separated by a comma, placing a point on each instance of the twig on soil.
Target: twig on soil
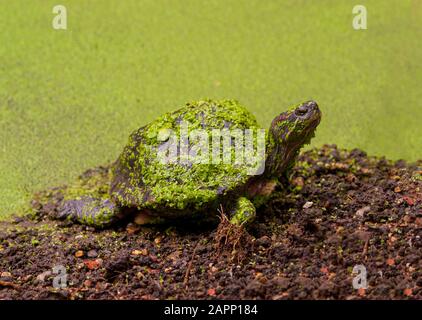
{"x": 365, "y": 249}
{"x": 231, "y": 237}
{"x": 8, "y": 284}
{"x": 186, "y": 279}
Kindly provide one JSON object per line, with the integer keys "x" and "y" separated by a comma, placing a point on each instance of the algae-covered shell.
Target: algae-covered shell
{"x": 158, "y": 169}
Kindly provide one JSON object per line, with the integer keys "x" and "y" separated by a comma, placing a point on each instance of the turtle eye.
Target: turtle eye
{"x": 301, "y": 111}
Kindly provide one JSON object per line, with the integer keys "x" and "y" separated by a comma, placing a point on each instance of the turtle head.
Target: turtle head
{"x": 290, "y": 131}
{"x": 297, "y": 125}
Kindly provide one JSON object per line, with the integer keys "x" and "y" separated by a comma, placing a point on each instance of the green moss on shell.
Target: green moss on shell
{"x": 143, "y": 181}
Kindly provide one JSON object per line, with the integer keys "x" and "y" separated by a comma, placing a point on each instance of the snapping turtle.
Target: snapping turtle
{"x": 187, "y": 163}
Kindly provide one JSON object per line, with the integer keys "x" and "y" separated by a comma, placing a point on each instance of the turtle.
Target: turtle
{"x": 189, "y": 163}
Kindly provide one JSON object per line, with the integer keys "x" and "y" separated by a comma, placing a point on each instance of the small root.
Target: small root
{"x": 231, "y": 241}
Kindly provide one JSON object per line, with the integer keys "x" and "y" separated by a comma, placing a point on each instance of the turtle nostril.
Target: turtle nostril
{"x": 312, "y": 105}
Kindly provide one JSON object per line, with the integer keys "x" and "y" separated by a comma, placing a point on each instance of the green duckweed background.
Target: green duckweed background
{"x": 70, "y": 98}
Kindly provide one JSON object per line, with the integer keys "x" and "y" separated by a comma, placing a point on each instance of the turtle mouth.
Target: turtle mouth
{"x": 315, "y": 119}
{"x": 309, "y": 131}
{"x": 310, "y": 114}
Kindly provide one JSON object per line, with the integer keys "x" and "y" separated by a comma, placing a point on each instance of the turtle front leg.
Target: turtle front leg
{"x": 243, "y": 212}
{"x": 90, "y": 211}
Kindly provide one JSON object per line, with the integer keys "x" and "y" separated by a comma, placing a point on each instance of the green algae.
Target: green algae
{"x": 143, "y": 181}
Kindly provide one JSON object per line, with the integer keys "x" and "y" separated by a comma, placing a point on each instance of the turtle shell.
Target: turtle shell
{"x": 146, "y": 177}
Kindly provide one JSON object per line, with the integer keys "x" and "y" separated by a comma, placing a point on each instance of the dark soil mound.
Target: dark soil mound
{"x": 343, "y": 209}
